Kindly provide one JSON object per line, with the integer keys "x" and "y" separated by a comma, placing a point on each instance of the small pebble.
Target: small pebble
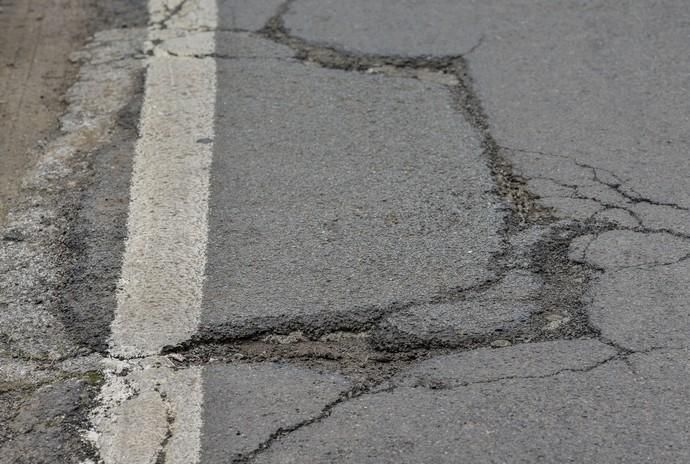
{"x": 176, "y": 357}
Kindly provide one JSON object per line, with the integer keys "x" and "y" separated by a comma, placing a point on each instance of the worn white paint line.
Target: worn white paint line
{"x": 188, "y": 15}
{"x": 151, "y": 413}
{"x": 159, "y": 296}
{"x": 147, "y": 410}
{"x": 185, "y": 392}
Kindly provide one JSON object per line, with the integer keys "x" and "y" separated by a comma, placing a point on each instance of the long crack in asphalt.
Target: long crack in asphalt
{"x": 360, "y": 337}
{"x": 360, "y": 344}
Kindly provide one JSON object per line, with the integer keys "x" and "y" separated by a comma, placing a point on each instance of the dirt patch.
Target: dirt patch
{"x": 36, "y": 38}
{"x": 55, "y": 132}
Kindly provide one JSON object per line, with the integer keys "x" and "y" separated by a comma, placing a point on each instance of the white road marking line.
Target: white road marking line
{"x": 159, "y": 296}
{"x": 151, "y": 412}
{"x": 186, "y": 393}
{"x": 148, "y": 410}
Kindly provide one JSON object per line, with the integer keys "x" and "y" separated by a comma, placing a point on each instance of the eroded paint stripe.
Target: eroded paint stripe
{"x": 152, "y": 413}
{"x": 149, "y": 411}
{"x": 159, "y": 296}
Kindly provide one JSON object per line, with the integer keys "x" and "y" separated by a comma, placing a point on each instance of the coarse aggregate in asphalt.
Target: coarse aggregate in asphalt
{"x": 437, "y": 231}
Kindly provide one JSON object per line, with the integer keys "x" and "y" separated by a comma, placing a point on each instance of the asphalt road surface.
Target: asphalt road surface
{"x": 327, "y": 231}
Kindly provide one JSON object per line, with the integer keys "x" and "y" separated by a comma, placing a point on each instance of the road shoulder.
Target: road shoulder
{"x": 54, "y": 241}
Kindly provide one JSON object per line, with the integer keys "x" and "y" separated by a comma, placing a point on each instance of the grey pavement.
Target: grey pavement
{"x": 436, "y": 231}
{"x": 335, "y": 192}
{"x": 616, "y": 412}
{"x": 584, "y": 103}
{"x": 246, "y": 404}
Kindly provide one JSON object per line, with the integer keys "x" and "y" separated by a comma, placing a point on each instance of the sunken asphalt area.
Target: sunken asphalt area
{"x": 358, "y": 231}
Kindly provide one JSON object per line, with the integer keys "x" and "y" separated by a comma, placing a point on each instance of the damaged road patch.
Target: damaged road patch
{"x": 335, "y": 246}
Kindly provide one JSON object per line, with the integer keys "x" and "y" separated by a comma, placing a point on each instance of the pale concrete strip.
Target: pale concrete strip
{"x": 159, "y": 297}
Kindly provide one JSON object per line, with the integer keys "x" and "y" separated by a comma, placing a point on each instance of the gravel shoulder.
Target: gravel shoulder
{"x": 36, "y": 38}
{"x": 69, "y": 76}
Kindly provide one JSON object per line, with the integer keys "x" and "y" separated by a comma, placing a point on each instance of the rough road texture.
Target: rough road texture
{"x": 362, "y": 150}
{"x": 592, "y": 245}
{"x": 59, "y": 244}
{"x": 314, "y": 227}
{"x": 37, "y": 37}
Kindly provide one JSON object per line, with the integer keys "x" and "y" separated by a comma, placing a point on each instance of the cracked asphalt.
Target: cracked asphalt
{"x": 358, "y": 231}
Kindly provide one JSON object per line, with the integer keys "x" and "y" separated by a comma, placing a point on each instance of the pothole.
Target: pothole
{"x": 363, "y": 345}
